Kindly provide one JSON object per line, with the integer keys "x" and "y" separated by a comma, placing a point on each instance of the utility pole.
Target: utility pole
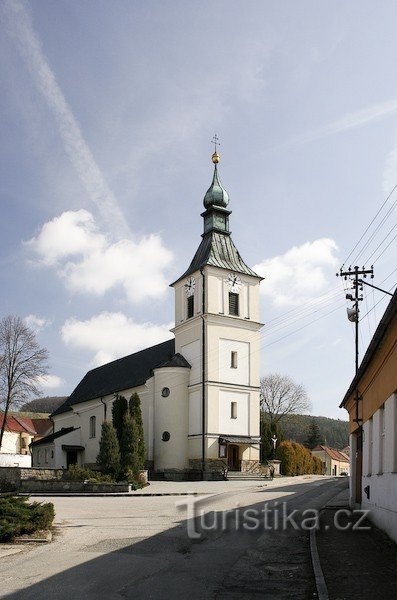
{"x": 352, "y": 274}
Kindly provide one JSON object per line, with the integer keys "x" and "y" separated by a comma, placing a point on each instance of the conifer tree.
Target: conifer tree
{"x": 119, "y": 414}
{"x": 109, "y": 453}
{"x": 314, "y": 438}
{"x": 136, "y": 414}
{"x": 129, "y": 448}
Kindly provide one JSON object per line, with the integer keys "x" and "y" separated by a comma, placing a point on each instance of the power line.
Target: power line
{"x": 389, "y": 196}
{"x": 379, "y": 245}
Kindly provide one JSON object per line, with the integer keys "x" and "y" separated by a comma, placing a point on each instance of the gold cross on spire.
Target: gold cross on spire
{"x": 215, "y": 156}
{"x": 215, "y": 140}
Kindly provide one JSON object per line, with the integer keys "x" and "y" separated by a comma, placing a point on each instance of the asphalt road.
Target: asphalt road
{"x": 122, "y": 548}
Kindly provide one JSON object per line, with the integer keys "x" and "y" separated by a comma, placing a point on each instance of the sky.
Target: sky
{"x": 107, "y": 111}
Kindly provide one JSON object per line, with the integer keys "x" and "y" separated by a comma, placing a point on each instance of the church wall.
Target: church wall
{"x": 192, "y": 353}
{"x": 240, "y": 425}
{"x": 241, "y": 373}
{"x": 83, "y": 411}
{"x": 195, "y": 424}
{"x": 218, "y": 353}
{"x": 171, "y": 414}
{"x": 63, "y": 420}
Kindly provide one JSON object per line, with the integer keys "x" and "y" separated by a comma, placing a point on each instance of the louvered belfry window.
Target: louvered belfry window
{"x": 190, "y": 307}
{"x": 233, "y": 304}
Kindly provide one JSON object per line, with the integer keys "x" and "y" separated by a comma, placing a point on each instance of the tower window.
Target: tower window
{"x": 233, "y": 360}
{"x": 233, "y": 304}
{"x": 233, "y": 410}
{"x": 190, "y": 307}
{"x": 92, "y": 427}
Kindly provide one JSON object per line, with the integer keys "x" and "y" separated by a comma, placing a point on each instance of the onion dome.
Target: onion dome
{"x": 216, "y": 195}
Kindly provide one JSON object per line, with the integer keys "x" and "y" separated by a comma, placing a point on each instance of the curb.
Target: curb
{"x": 106, "y": 495}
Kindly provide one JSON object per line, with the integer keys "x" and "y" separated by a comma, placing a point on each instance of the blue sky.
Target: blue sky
{"x": 106, "y": 115}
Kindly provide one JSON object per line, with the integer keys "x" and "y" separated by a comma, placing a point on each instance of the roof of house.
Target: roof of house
{"x": 53, "y": 436}
{"x": 217, "y": 250}
{"x": 334, "y": 454}
{"x": 122, "y": 374}
{"x": 41, "y": 425}
{"x": 389, "y": 314}
{"x": 18, "y": 424}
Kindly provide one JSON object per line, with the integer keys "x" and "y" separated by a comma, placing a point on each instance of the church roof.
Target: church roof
{"x": 121, "y": 374}
{"x": 176, "y": 361}
{"x": 53, "y": 436}
{"x": 218, "y": 250}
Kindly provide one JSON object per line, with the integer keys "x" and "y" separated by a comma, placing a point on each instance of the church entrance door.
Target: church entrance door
{"x": 232, "y": 457}
{"x": 71, "y": 458}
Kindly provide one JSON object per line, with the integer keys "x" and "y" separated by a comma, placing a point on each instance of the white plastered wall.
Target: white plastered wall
{"x": 380, "y": 468}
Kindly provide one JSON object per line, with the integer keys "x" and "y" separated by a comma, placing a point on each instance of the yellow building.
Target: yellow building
{"x": 334, "y": 462}
{"x": 371, "y": 402}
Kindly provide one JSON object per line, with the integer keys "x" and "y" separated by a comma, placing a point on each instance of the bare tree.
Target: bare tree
{"x": 22, "y": 362}
{"x": 281, "y": 396}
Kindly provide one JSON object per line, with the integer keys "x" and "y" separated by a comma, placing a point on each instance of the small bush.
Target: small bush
{"x": 18, "y": 517}
{"x": 77, "y": 473}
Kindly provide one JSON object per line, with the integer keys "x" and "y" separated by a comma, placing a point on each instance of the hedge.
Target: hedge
{"x": 297, "y": 460}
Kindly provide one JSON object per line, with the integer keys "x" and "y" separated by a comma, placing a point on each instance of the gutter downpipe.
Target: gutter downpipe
{"x": 203, "y": 377}
{"x": 104, "y": 409}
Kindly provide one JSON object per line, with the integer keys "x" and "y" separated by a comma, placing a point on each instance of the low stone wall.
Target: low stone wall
{"x": 211, "y": 464}
{"x": 254, "y": 467}
{"x": 30, "y": 485}
{"x": 12, "y": 477}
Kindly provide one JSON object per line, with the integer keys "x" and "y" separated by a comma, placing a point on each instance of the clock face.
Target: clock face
{"x": 190, "y": 286}
{"x": 234, "y": 283}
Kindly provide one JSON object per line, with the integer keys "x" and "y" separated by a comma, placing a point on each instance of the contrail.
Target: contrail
{"x": 350, "y": 121}
{"x": 28, "y": 43}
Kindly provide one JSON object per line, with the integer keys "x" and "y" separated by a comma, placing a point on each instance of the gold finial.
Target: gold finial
{"x": 215, "y": 157}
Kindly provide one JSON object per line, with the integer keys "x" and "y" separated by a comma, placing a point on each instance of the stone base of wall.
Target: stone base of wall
{"x": 211, "y": 464}
{"x": 254, "y": 467}
{"x": 11, "y": 477}
{"x": 73, "y": 486}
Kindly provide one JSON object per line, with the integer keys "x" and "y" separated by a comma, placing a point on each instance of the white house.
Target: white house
{"x": 199, "y": 391}
{"x": 18, "y": 434}
{"x": 371, "y": 401}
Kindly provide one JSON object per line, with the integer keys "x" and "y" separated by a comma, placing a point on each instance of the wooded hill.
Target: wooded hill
{"x": 334, "y": 432}
{"x": 43, "y": 405}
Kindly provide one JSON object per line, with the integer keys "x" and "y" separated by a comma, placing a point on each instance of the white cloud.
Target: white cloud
{"x": 50, "y": 382}
{"x": 29, "y": 46}
{"x": 35, "y": 322}
{"x": 300, "y": 274}
{"x": 350, "y": 121}
{"x": 89, "y": 262}
{"x": 112, "y": 335}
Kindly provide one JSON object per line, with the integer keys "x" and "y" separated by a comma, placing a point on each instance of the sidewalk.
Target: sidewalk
{"x": 356, "y": 564}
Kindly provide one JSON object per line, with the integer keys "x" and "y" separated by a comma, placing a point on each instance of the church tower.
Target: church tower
{"x": 217, "y": 330}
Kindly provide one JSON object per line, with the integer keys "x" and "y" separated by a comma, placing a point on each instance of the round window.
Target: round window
{"x": 165, "y": 392}
{"x": 166, "y": 436}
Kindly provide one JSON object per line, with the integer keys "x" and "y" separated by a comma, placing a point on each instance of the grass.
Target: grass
{"x": 19, "y": 517}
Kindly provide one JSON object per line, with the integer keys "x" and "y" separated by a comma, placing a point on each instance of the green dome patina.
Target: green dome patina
{"x": 216, "y": 195}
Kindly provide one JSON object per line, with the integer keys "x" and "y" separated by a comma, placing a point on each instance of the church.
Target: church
{"x": 200, "y": 390}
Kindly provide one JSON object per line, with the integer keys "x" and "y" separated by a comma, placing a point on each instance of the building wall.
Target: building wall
{"x": 171, "y": 414}
{"x": 380, "y": 466}
{"x": 379, "y": 380}
{"x": 15, "y": 460}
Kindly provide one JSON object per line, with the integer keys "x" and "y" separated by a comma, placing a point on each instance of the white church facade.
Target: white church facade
{"x": 200, "y": 390}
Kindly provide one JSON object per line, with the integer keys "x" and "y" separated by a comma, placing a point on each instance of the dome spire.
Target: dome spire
{"x": 216, "y": 195}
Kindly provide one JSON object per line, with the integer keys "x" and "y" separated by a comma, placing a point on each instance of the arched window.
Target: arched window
{"x": 92, "y": 427}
